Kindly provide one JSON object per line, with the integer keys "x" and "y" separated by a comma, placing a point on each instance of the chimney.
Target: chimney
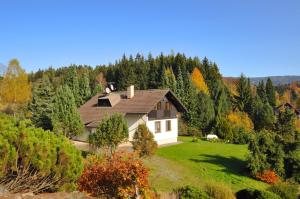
{"x": 130, "y": 91}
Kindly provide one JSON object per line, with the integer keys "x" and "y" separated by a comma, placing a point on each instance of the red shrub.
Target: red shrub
{"x": 121, "y": 176}
{"x": 268, "y": 176}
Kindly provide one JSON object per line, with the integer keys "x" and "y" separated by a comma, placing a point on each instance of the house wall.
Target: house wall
{"x": 164, "y": 137}
{"x": 134, "y": 120}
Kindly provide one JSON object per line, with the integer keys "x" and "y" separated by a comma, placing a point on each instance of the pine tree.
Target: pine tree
{"x": 42, "y": 103}
{"x": 270, "y": 92}
{"x": 65, "y": 118}
{"x": 84, "y": 85}
{"x": 73, "y": 83}
{"x": 110, "y": 132}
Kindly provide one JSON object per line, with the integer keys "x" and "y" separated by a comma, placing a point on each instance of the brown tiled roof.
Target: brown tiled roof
{"x": 142, "y": 103}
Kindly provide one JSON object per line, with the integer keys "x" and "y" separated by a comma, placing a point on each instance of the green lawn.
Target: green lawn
{"x": 194, "y": 163}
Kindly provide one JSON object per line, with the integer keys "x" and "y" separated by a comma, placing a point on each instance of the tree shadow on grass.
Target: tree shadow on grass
{"x": 231, "y": 165}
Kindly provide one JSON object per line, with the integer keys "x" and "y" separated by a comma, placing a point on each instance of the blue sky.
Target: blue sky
{"x": 256, "y": 37}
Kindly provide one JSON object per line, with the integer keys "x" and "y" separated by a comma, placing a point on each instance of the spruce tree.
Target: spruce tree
{"x": 180, "y": 85}
{"x": 244, "y": 98}
{"x": 261, "y": 92}
{"x": 205, "y": 112}
{"x": 153, "y": 73}
{"x": 262, "y": 114}
{"x": 65, "y": 117}
{"x": 73, "y": 83}
{"x": 270, "y": 92}
{"x": 162, "y": 77}
{"x": 285, "y": 125}
{"x": 142, "y": 71}
{"x": 42, "y": 103}
{"x": 189, "y": 100}
{"x": 169, "y": 79}
{"x": 84, "y": 85}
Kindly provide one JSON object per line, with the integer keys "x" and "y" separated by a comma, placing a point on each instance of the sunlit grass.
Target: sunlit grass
{"x": 194, "y": 163}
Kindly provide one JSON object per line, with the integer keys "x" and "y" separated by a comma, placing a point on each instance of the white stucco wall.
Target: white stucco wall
{"x": 133, "y": 121}
{"x": 164, "y": 137}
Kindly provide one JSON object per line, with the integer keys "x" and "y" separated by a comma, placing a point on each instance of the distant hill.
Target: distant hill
{"x": 277, "y": 80}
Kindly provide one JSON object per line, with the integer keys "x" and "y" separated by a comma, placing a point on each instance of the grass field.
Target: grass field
{"x": 194, "y": 163}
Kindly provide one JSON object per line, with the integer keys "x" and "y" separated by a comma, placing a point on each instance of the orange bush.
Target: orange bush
{"x": 268, "y": 176}
{"x": 122, "y": 175}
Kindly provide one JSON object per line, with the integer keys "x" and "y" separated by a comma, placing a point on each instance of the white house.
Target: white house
{"x": 159, "y": 109}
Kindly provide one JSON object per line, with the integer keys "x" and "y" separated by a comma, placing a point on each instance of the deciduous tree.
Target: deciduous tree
{"x": 199, "y": 81}
{"x": 15, "y": 90}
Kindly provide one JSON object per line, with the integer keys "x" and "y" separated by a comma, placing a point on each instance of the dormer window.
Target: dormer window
{"x": 109, "y": 100}
{"x": 104, "y": 102}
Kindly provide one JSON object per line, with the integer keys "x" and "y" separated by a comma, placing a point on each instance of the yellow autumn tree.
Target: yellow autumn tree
{"x": 198, "y": 81}
{"x": 286, "y": 97}
{"x": 240, "y": 120}
{"x": 231, "y": 84}
{"x": 15, "y": 88}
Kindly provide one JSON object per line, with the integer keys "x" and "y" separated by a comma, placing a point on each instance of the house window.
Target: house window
{"x": 168, "y": 125}
{"x": 158, "y": 106}
{"x": 157, "y": 127}
{"x": 167, "y": 106}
